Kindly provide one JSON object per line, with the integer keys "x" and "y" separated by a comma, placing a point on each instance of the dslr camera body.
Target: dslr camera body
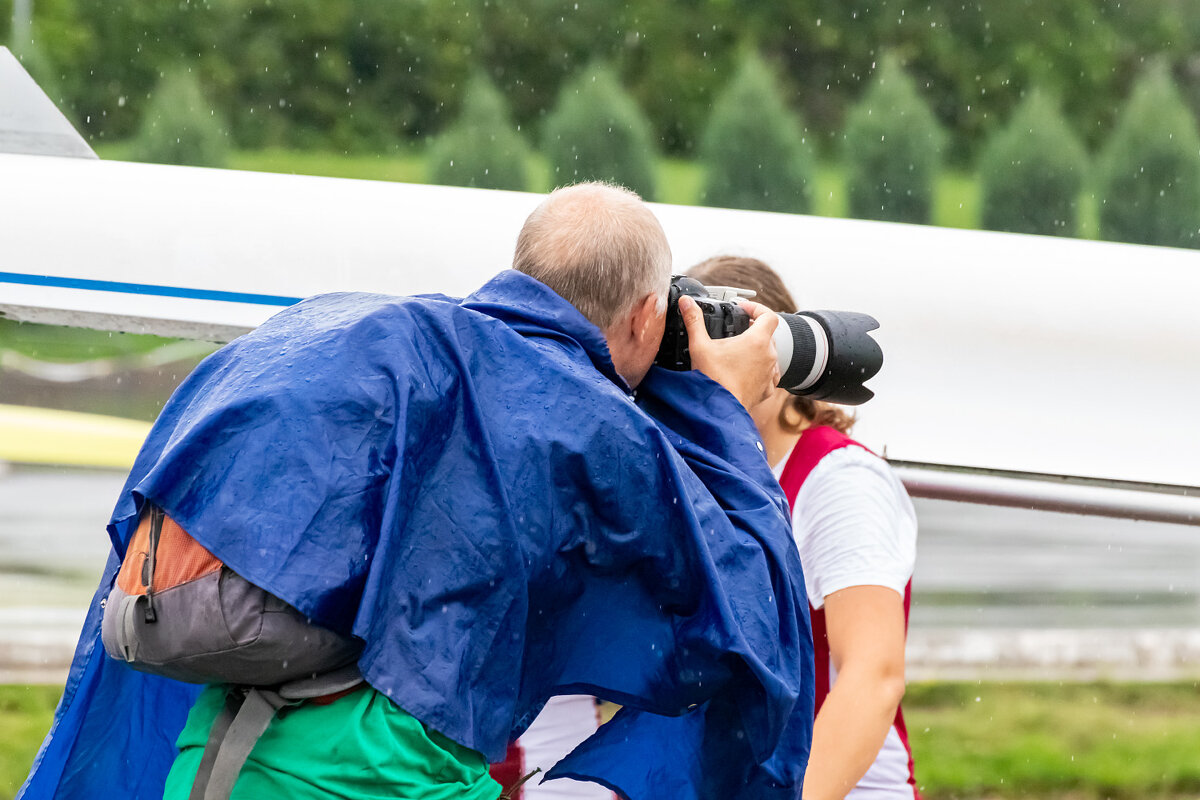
{"x": 825, "y": 355}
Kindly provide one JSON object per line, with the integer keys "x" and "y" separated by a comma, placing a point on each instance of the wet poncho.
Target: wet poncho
{"x": 470, "y": 488}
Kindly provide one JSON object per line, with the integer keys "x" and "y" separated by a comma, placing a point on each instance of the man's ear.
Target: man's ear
{"x": 643, "y": 317}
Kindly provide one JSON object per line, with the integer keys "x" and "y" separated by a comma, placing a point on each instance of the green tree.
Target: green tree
{"x": 892, "y": 150}
{"x": 482, "y": 148}
{"x": 1149, "y": 183}
{"x": 754, "y": 151}
{"x": 180, "y": 126}
{"x": 597, "y": 132}
{"x": 363, "y": 74}
{"x": 1032, "y": 171}
{"x": 111, "y": 55}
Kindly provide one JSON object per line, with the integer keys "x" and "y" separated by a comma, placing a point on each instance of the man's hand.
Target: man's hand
{"x": 746, "y": 364}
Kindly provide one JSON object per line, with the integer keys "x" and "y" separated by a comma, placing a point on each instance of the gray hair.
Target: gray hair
{"x": 599, "y": 247}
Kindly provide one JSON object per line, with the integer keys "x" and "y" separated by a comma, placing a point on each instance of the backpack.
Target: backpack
{"x": 177, "y": 611}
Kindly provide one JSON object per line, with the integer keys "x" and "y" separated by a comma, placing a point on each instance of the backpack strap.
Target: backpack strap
{"x": 336, "y": 681}
{"x": 215, "y": 736}
{"x": 156, "y": 523}
{"x": 247, "y": 713}
{"x": 126, "y": 624}
{"x": 226, "y": 751}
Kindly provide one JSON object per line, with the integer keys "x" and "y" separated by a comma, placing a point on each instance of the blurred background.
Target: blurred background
{"x": 1075, "y": 117}
{"x": 1051, "y": 656}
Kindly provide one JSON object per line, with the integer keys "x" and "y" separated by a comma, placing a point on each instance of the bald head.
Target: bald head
{"x": 599, "y": 247}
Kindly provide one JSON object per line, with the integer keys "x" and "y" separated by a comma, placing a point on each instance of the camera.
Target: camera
{"x": 825, "y": 355}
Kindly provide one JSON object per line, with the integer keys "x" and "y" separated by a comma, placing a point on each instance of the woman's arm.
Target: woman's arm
{"x": 865, "y": 626}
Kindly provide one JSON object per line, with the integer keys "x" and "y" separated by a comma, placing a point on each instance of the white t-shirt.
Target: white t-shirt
{"x": 564, "y": 723}
{"x": 855, "y": 526}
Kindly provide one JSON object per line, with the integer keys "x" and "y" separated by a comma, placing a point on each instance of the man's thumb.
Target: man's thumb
{"x": 693, "y": 319}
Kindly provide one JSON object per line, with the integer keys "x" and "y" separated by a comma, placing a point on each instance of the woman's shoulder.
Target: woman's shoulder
{"x": 853, "y": 474}
{"x": 852, "y": 456}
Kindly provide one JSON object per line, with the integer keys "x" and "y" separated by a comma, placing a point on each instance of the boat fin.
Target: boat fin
{"x": 30, "y": 123}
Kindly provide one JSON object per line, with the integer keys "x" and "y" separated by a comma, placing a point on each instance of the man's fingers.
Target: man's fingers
{"x": 755, "y": 310}
{"x": 763, "y": 328}
{"x": 693, "y": 319}
{"x": 761, "y": 315}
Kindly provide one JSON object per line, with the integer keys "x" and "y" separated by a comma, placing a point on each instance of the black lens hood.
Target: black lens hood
{"x": 854, "y": 357}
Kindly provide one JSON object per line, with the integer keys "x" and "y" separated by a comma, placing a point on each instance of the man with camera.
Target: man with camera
{"x": 472, "y": 491}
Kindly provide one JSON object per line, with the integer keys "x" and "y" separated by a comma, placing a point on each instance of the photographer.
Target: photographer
{"x": 856, "y": 530}
{"x": 469, "y": 489}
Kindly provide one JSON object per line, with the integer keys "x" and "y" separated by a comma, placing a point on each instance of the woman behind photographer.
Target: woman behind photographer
{"x": 856, "y": 530}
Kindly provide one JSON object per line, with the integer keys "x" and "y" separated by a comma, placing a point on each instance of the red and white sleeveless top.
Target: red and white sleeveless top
{"x": 564, "y": 722}
{"x": 891, "y": 776}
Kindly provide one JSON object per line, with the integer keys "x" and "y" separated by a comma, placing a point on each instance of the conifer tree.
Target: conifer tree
{"x": 597, "y": 132}
{"x": 482, "y": 148}
{"x": 1032, "y": 172}
{"x": 893, "y": 148}
{"x": 754, "y": 151}
{"x": 179, "y": 126}
{"x": 1149, "y": 183}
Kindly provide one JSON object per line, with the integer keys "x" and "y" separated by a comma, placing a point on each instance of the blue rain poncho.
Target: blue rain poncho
{"x": 470, "y": 488}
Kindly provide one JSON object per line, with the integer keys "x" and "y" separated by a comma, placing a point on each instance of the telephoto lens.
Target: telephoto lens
{"x": 825, "y": 355}
{"x": 828, "y": 355}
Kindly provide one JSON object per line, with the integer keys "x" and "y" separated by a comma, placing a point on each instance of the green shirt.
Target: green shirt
{"x": 359, "y": 746}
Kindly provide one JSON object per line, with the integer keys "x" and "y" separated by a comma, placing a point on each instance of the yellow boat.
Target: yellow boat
{"x": 47, "y": 436}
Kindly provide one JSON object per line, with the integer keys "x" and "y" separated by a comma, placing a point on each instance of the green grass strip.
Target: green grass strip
{"x": 972, "y": 741}
{"x": 69, "y": 345}
{"x": 1047, "y": 740}
{"x": 956, "y": 201}
{"x": 25, "y": 713}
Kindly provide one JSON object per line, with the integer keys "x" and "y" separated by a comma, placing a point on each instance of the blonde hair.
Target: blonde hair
{"x": 599, "y": 247}
{"x": 750, "y": 273}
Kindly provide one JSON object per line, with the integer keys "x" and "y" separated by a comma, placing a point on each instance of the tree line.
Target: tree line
{"x": 364, "y": 74}
{"x": 756, "y": 152}
{"x": 1038, "y": 98}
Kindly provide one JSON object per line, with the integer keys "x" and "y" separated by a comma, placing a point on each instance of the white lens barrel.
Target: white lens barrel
{"x": 821, "y": 355}
{"x": 784, "y": 346}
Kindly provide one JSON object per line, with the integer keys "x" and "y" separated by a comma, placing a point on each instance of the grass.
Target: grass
{"x": 25, "y": 713}
{"x": 971, "y": 741}
{"x": 406, "y": 168}
{"x": 956, "y": 202}
{"x": 63, "y": 344}
{"x": 956, "y": 194}
{"x": 679, "y": 182}
{"x": 1049, "y": 740}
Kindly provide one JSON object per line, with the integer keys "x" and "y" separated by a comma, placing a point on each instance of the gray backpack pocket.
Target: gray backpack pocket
{"x": 175, "y": 610}
{"x": 220, "y": 628}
